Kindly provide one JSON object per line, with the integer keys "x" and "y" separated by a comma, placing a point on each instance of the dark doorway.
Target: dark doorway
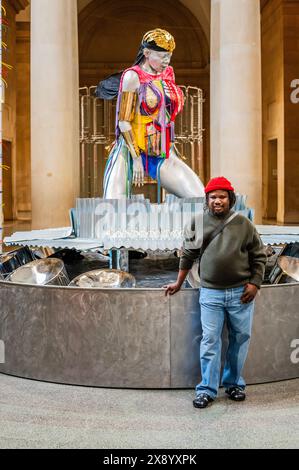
{"x": 7, "y": 181}
{"x": 272, "y": 192}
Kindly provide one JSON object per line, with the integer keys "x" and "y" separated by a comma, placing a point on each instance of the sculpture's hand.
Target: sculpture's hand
{"x": 138, "y": 172}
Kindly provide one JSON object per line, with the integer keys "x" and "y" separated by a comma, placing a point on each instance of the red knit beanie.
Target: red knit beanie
{"x": 218, "y": 183}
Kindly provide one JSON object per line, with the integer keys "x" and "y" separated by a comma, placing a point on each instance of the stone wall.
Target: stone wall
{"x": 273, "y": 106}
{"x": 291, "y": 111}
{"x": 280, "y": 58}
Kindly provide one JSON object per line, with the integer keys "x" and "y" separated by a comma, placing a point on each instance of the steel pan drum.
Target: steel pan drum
{"x": 11, "y": 261}
{"x": 289, "y": 266}
{"x": 41, "y": 272}
{"x": 104, "y": 278}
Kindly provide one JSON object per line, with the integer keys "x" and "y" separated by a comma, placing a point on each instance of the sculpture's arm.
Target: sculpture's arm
{"x": 126, "y": 115}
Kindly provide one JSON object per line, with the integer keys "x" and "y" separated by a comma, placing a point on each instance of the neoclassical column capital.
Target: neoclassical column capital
{"x": 263, "y": 3}
{"x": 19, "y": 5}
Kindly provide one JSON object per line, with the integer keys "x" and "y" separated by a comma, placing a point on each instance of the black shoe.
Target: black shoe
{"x": 236, "y": 393}
{"x": 202, "y": 400}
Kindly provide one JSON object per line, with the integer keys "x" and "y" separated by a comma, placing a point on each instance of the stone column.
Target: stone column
{"x": 54, "y": 111}
{"x": 236, "y": 140}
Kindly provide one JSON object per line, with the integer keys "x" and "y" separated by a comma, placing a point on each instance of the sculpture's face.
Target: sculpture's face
{"x": 157, "y": 60}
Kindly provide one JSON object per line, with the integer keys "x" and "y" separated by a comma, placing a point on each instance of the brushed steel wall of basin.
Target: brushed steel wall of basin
{"x": 133, "y": 338}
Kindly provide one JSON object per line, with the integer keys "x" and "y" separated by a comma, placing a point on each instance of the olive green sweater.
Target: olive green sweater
{"x": 233, "y": 258}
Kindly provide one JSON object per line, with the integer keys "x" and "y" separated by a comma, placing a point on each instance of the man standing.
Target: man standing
{"x": 232, "y": 263}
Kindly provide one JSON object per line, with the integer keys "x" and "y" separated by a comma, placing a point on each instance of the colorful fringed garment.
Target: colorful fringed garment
{"x": 160, "y": 101}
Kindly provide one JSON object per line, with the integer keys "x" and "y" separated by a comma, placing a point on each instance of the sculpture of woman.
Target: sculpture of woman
{"x": 148, "y": 102}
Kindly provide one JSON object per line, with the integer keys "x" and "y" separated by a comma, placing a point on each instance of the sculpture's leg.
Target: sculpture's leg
{"x": 179, "y": 179}
{"x": 116, "y": 173}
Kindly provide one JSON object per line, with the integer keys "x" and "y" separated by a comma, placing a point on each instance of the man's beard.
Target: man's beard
{"x": 220, "y": 215}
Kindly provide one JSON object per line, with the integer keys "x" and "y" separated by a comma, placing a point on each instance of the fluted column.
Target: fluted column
{"x": 54, "y": 111}
{"x": 236, "y": 139}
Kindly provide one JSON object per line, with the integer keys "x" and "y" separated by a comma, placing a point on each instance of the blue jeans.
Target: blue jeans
{"x": 215, "y": 306}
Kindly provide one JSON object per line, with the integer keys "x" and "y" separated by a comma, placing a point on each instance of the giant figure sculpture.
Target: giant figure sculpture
{"x": 147, "y": 105}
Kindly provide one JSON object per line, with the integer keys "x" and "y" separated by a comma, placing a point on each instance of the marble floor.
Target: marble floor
{"x": 46, "y": 415}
